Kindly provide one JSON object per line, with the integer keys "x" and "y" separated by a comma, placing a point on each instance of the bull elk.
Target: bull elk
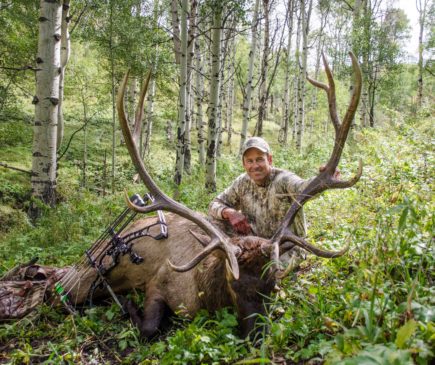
{"x": 198, "y": 265}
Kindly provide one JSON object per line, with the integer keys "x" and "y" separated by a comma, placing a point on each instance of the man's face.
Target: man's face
{"x": 257, "y": 164}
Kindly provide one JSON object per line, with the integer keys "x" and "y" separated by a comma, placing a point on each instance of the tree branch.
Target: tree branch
{"x": 17, "y": 169}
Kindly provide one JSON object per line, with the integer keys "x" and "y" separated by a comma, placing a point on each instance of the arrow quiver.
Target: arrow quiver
{"x": 113, "y": 244}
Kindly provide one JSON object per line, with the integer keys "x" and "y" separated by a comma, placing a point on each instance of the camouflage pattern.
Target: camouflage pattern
{"x": 264, "y": 206}
{"x": 25, "y": 287}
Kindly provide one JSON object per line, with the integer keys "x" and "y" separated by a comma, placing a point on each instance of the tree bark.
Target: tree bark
{"x": 213, "y": 127}
{"x": 64, "y": 57}
{"x": 230, "y": 91}
{"x": 46, "y": 106}
{"x": 248, "y": 90}
{"x": 112, "y": 77}
{"x": 149, "y": 113}
{"x": 175, "y": 30}
{"x": 264, "y": 70}
{"x": 199, "y": 83}
{"x": 152, "y": 89}
{"x": 188, "y": 111}
{"x": 297, "y": 74}
{"x": 422, "y": 13}
{"x": 181, "y": 131}
{"x": 283, "y": 135}
{"x": 305, "y": 16}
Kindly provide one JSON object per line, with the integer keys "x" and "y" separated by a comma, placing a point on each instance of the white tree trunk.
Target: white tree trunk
{"x": 152, "y": 89}
{"x": 46, "y": 104}
{"x": 149, "y": 114}
{"x": 179, "y": 168}
{"x": 422, "y": 13}
{"x": 305, "y": 16}
{"x": 199, "y": 83}
{"x": 248, "y": 90}
{"x": 225, "y": 52}
{"x": 230, "y": 91}
{"x": 297, "y": 75}
{"x": 262, "y": 104}
{"x": 283, "y": 137}
{"x": 364, "y": 102}
{"x": 131, "y": 101}
{"x": 176, "y": 30}
{"x": 64, "y": 57}
{"x": 213, "y": 127}
{"x": 188, "y": 111}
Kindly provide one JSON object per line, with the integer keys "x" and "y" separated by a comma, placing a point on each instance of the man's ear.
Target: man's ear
{"x": 269, "y": 159}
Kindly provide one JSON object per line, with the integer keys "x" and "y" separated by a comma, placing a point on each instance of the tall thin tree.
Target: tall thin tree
{"x": 262, "y": 103}
{"x": 305, "y": 23}
{"x": 247, "y": 96}
{"x": 181, "y": 130}
{"x": 46, "y": 103}
{"x": 283, "y": 136}
{"x": 64, "y": 57}
{"x": 213, "y": 126}
{"x": 422, "y": 7}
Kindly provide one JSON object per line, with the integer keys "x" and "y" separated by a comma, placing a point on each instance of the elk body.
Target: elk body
{"x": 207, "y": 269}
{"x": 209, "y": 285}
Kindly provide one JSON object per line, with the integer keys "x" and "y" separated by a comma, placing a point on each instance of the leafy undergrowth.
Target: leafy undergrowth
{"x": 375, "y": 305}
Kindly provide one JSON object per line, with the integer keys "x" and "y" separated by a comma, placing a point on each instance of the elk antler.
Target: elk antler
{"x": 162, "y": 202}
{"x": 325, "y": 179}
{"x": 138, "y": 116}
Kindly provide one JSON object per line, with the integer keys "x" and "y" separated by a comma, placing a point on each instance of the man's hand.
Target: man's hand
{"x": 237, "y": 220}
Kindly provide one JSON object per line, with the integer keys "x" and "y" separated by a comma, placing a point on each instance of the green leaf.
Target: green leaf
{"x": 405, "y": 332}
{"x": 122, "y": 345}
{"x": 110, "y": 314}
{"x": 403, "y": 217}
{"x": 259, "y": 360}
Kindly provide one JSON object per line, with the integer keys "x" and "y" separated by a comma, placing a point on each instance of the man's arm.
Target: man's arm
{"x": 224, "y": 207}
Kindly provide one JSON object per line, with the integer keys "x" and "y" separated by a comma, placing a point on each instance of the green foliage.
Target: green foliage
{"x": 17, "y": 50}
{"x": 14, "y": 134}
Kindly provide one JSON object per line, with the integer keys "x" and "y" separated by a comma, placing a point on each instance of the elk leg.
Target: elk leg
{"x": 154, "y": 309}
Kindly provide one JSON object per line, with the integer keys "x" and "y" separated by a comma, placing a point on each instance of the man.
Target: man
{"x": 256, "y": 202}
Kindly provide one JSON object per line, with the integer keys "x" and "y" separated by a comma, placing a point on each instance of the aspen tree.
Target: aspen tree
{"x": 181, "y": 130}
{"x": 283, "y": 136}
{"x": 247, "y": 99}
{"x": 46, "y": 103}
{"x": 65, "y": 51}
{"x": 213, "y": 126}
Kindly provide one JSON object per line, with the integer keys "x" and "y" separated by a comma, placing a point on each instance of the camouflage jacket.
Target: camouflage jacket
{"x": 264, "y": 206}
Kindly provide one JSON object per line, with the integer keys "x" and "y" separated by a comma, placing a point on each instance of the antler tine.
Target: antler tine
{"x": 196, "y": 260}
{"x": 139, "y": 110}
{"x": 330, "y": 91}
{"x": 325, "y": 179}
{"x": 340, "y": 139}
{"x": 162, "y": 201}
{"x": 301, "y": 242}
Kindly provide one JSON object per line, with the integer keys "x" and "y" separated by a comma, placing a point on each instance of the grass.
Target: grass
{"x": 373, "y": 306}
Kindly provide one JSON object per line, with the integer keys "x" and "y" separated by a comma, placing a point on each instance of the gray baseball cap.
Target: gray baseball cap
{"x": 256, "y": 142}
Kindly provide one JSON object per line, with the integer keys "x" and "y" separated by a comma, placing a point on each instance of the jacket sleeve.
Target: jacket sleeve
{"x": 295, "y": 184}
{"x": 229, "y": 198}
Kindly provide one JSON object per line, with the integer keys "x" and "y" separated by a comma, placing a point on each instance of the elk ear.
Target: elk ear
{"x": 201, "y": 238}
